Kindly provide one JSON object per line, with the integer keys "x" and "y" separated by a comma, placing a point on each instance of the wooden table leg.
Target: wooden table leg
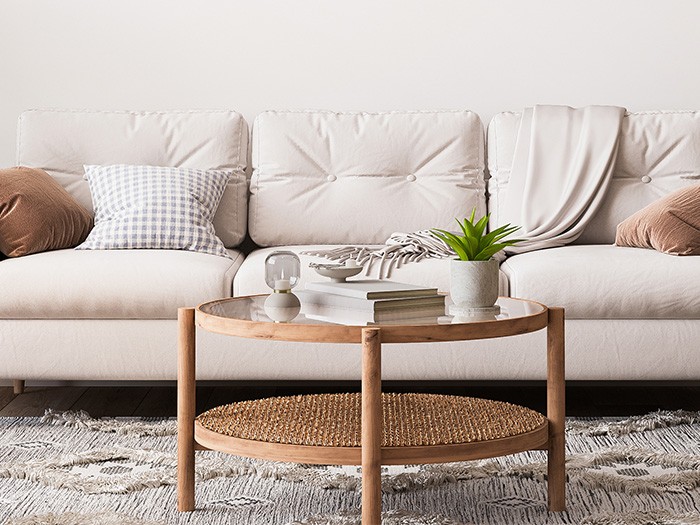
{"x": 556, "y": 407}
{"x": 185, "y": 408}
{"x": 372, "y": 423}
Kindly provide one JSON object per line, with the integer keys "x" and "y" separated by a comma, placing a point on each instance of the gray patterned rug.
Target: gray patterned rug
{"x": 70, "y": 469}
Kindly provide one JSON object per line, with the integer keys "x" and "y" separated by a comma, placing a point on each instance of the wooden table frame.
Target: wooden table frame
{"x": 550, "y": 437}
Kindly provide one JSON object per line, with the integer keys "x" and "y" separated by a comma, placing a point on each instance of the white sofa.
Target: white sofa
{"x": 323, "y": 178}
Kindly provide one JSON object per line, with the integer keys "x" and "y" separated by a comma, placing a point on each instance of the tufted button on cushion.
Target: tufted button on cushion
{"x": 331, "y": 178}
{"x": 646, "y": 179}
{"x": 411, "y": 178}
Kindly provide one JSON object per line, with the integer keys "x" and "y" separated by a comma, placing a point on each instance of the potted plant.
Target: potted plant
{"x": 474, "y": 275}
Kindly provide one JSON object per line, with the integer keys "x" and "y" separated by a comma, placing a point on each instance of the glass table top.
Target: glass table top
{"x": 253, "y": 309}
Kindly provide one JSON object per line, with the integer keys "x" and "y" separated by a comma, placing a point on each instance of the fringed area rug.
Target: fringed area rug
{"x": 70, "y": 469}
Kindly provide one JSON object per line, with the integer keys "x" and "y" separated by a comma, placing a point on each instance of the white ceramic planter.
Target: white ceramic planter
{"x": 474, "y": 284}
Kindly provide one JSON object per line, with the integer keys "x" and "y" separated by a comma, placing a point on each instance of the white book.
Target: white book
{"x": 369, "y": 305}
{"x": 349, "y": 316}
{"x": 372, "y": 289}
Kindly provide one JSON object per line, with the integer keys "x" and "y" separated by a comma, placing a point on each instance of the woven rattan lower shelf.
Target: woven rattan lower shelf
{"x": 326, "y": 428}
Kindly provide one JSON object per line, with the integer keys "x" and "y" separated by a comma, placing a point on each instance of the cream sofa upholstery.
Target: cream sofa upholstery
{"x": 608, "y": 282}
{"x": 62, "y": 141}
{"x": 322, "y": 178}
{"x": 333, "y": 178}
{"x": 613, "y": 288}
{"x": 112, "y": 284}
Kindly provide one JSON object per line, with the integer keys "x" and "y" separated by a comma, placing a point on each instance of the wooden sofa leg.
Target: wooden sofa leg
{"x": 18, "y": 385}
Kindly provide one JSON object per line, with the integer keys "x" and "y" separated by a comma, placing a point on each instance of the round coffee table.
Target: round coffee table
{"x": 371, "y": 428}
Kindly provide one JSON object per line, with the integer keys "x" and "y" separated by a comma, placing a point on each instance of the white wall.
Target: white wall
{"x": 487, "y": 55}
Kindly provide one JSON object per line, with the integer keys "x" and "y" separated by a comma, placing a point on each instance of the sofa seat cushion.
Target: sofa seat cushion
{"x": 250, "y": 279}
{"x": 112, "y": 284}
{"x": 608, "y": 282}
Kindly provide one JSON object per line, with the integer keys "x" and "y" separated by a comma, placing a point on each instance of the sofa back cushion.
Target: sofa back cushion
{"x": 321, "y": 177}
{"x": 659, "y": 152}
{"x": 61, "y": 142}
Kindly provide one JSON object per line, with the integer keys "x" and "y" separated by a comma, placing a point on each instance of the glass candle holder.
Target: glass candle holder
{"x": 282, "y": 273}
{"x": 282, "y": 270}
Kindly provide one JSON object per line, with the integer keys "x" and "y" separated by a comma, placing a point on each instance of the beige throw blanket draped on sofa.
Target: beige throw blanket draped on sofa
{"x": 562, "y": 166}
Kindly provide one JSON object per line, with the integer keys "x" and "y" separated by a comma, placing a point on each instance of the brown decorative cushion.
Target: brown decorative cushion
{"x": 37, "y": 214}
{"x": 670, "y": 225}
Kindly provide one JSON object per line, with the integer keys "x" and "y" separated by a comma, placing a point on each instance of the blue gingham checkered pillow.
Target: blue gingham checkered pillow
{"x": 154, "y": 207}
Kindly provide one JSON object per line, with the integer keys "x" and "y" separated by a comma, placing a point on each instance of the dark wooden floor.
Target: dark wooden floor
{"x": 583, "y": 399}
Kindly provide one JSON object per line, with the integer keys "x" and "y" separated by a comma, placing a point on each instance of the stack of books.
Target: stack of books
{"x": 369, "y": 302}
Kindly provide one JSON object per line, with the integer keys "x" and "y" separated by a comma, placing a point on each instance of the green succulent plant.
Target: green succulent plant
{"x": 474, "y": 245}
